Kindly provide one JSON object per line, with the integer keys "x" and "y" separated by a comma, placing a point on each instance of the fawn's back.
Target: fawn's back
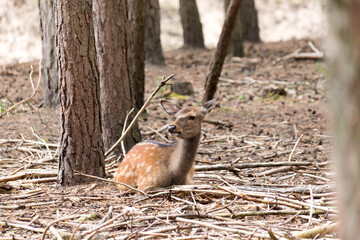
{"x": 151, "y": 164}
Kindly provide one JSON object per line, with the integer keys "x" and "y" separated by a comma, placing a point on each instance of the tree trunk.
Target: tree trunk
{"x": 218, "y": 58}
{"x": 81, "y": 145}
{"x": 344, "y": 53}
{"x": 116, "y": 89}
{"x": 236, "y": 46}
{"x": 137, "y": 41}
{"x": 47, "y": 27}
{"x": 192, "y": 28}
{"x": 153, "y": 49}
{"x": 249, "y": 21}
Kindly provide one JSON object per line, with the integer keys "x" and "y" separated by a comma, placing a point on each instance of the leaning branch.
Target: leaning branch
{"x": 162, "y": 83}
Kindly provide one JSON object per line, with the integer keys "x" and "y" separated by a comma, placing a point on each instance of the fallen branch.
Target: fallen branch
{"x": 236, "y": 167}
{"x": 310, "y": 55}
{"x": 26, "y": 227}
{"x": 27, "y": 175}
{"x": 316, "y": 54}
{"x": 276, "y": 170}
{"x": 213, "y": 226}
{"x": 41, "y": 180}
{"x": 317, "y": 231}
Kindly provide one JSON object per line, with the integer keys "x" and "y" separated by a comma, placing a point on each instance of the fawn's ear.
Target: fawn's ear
{"x": 206, "y": 107}
{"x": 169, "y": 107}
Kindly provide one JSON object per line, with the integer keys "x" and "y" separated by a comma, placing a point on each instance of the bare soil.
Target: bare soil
{"x": 252, "y": 126}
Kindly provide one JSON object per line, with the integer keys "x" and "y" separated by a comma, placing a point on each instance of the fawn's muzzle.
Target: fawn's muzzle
{"x": 172, "y": 129}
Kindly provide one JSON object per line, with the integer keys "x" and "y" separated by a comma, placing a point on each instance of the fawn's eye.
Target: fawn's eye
{"x": 191, "y": 117}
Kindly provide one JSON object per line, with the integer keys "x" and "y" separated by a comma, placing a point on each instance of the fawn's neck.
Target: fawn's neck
{"x": 183, "y": 158}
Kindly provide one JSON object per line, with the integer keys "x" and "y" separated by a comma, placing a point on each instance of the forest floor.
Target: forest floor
{"x": 262, "y": 171}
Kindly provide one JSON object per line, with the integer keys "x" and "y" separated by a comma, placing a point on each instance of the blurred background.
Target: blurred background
{"x": 279, "y": 20}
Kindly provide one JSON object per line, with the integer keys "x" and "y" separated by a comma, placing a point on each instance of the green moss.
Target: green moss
{"x": 178, "y": 96}
{"x": 227, "y": 109}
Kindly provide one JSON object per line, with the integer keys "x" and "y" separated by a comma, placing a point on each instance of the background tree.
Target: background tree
{"x": 236, "y": 45}
{"x": 217, "y": 61}
{"x": 192, "y": 28}
{"x": 137, "y": 51}
{"x": 81, "y": 145}
{"x": 114, "y": 59}
{"x": 153, "y": 49}
{"x": 47, "y": 27}
{"x": 246, "y": 27}
{"x": 344, "y": 53}
{"x": 249, "y": 21}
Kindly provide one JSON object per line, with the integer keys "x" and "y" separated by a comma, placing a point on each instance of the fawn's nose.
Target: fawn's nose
{"x": 171, "y": 128}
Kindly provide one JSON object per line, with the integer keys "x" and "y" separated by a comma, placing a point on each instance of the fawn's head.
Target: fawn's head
{"x": 187, "y": 120}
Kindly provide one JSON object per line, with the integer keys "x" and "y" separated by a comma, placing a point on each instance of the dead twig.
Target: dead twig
{"x": 293, "y": 150}
{"x": 104, "y": 224}
{"x": 31, "y": 96}
{"x": 111, "y": 181}
{"x": 56, "y": 221}
{"x": 123, "y": 130}
{"x": 162, "y": 83}
{"x": 26, "y": 227}
{"x": 316, "y": 54}
{"x": 236, "y": 167}
{"x": 276, "y": 170}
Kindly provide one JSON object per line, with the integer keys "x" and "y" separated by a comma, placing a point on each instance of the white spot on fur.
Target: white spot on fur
{"x": 129, "y": 174}
{"x": 148, "y": 169}
{"x": 121, "y": 173}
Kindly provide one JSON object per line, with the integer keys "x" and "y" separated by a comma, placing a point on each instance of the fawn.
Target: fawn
{"x": 151, "y": 164}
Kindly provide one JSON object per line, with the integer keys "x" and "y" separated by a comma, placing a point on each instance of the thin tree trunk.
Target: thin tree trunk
{"x": 153, "y": 49}
{"x": 137, "y": 44}
{"x": 344, "y": 53}
{"x": 81, "y": 145}
{"x": 217, "y": 61}
{"x": 192, "y": 28}
{"x": 47, "y": 27}
{"x": 116, "y": 88}
{"x": 236, "y": 47}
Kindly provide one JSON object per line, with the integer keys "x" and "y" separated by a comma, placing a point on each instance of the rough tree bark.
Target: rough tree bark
{"x": 192, "y": 28}
{"x": 217, "y": 61}
{"x": 236, "y": 46}
{"x": 344, "y": 53}
{"x": 116, "y": 89}
{"x": 153, "y": 49}
{"x": 47, "y": 27}
{"x": 249, "y": 21}
{"x": 81, "y": 145}
{"x": 137, "y": 45}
